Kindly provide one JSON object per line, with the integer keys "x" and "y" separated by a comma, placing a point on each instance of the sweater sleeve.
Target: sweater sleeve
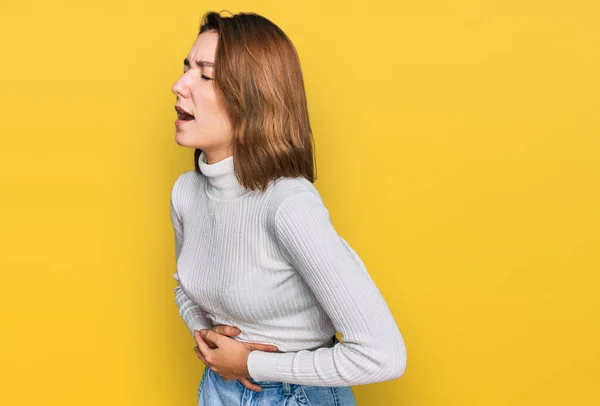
{"x": 373, "y": 348}
{"x": 191, "y": 313}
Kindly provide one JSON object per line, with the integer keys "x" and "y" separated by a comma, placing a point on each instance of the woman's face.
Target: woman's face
{"x": 209, "y": 129}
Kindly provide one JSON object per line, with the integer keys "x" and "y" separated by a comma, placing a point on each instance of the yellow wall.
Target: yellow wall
{"x": 457, "y": 145}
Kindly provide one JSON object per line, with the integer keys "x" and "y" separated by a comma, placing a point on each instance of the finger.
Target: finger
{"x": 204, "y": 349}
{"x": 200, "y": 356}
{"x": 210, "y": 336}
{"x": 250, "y": 385}
{"x": 209, "y": 342}
{"x": 229, "y": 331}
{"x": 262, "y": 347}
{"x": 211, "y": 345}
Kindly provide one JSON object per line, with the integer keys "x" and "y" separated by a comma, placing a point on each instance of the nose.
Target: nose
{"x": 177, "y": 88}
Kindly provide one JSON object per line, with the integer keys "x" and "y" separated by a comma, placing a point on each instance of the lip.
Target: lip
{"x": 179, "y": 123}
{"x": 181, "y": 109}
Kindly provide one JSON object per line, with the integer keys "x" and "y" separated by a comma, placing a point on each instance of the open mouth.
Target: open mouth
{"x": 184, "y": 116}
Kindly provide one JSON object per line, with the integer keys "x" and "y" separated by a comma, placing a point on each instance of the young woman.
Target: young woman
{"x": 264, "y": 280}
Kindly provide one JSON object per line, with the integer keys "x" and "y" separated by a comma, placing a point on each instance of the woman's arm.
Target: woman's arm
{"x": 373, "y": 349}
{"x": 191, "y": 313}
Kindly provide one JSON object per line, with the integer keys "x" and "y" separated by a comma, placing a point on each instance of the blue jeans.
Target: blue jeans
{"x": 215, "y": 391}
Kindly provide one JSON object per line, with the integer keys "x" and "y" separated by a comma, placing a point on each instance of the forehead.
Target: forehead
{"x": 204, "y": 48}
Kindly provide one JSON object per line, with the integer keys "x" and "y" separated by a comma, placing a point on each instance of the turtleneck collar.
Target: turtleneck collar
{"x": 221, "y": 180}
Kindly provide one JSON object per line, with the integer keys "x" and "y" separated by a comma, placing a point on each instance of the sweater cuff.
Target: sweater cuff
{"x": 198, "y": 324}
{"x": 262, "y": 365}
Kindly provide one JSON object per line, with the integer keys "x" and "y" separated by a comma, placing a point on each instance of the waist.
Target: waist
{"x": 289, "y": 336}
{"x": 289, "y": 345}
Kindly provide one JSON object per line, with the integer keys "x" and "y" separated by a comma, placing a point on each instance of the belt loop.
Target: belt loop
{"x": 286, "y": 388}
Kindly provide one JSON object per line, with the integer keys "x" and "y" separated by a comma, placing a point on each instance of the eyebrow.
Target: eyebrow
{"x": 200, "y": 63}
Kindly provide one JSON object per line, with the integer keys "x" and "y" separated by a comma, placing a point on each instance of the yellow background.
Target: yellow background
{"x": 457, "y": 146}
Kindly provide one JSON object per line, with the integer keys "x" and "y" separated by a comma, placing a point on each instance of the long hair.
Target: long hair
{"x": 259, "y": 81}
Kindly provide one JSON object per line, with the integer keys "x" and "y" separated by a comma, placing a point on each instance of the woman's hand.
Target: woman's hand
{"x": 225, "y": 356}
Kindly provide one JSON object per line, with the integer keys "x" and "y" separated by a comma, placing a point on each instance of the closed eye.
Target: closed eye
{"x": 201, "y": 75}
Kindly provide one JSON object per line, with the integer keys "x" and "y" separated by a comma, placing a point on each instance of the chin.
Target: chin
{"x": 184, "y": 141}
{"x": 181, "y": 141}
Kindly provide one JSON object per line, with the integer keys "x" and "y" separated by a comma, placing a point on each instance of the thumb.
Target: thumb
{"x": 211, "y": 336}
{"x": 261, "y": 347}
{"x": 229, "y": 331}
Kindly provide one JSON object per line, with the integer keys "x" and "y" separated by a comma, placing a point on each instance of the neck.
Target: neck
{"x": 214, "y": 156}
{"x": 222, "y": 182}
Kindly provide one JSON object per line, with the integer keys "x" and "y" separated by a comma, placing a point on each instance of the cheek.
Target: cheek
{"x": 205, "y": 104}
{"x": 209, "y": 109}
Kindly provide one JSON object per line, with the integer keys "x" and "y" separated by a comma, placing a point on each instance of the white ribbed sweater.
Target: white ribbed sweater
{"x": 272, "y": 264}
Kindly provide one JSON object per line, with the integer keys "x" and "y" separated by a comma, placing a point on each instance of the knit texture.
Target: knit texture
{"x": 272, "y": 264}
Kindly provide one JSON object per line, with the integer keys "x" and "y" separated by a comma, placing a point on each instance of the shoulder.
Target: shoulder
{"x": 185, "y": 185}
{"x": 296, "y": 196}
{"x": 284, "y": 190}
{"x": 186, "y": 181}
